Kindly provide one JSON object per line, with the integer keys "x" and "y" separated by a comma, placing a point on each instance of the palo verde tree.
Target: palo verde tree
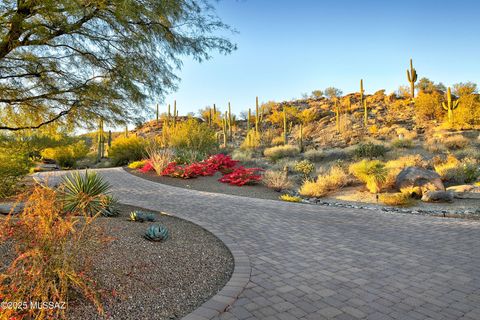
{"x": 78, "y": 61}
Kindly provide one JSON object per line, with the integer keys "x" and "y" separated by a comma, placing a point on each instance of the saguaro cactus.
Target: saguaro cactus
{"x": 230, "y": 126}
{"x": 257, "y": 115}
{"x": 100, "y": 151}
{"x": 284, "y": 126}
{"x": 450, "y": 105}
{"x": 337, "y": 115}
{"x": 224, "y": 123}
{"x": 362, "y": 91}
{"x": 126, "y": 132}
{"x": 248, "y": 119}
{"x": 175, "y": 113}
{"x": 168, "y": 115}
{"x": 301, "y": 137}
{"x": 412, "y": 78}
{"x": 158, "y": 114}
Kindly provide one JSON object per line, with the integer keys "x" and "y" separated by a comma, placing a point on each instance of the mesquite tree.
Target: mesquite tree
{"x": 79, "y": 60}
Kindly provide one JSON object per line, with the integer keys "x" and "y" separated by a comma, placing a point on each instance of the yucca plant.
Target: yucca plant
{"x": 156, "y": 232}
{"x": 88, "y": 194}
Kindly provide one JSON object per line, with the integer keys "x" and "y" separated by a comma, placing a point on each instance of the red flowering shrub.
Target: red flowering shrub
{"x": 147, "y": 167}
{"x": 241, "y": 176}
{"x": 221, "y": 162}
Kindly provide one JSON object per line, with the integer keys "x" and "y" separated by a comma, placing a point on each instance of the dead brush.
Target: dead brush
{"x": 50, "y": 257}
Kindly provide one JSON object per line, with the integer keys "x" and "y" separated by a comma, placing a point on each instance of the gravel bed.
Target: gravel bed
{"x": 211, "y": 184}
{"x": 154, "y": 280}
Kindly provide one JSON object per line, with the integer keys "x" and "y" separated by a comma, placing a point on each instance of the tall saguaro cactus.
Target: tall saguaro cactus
{"x": 158, "y": 114}
{"x": 257, "y": 115}
{"x": 301, "y": 137}
{"x": 100, "y": 150}
{"x": 175, "y": 113}
{"x": 230, "y": 125}
{"x": 284, "y": 126}
{"x": 450, "y": 105}
{"x": 126, "y": 131}
{"x": 412, "y": 78}
{"x": 362, "y": 91}
{"x": 337, "y": 115}
{"x": 248, "y": 119}
{"x": 168, "y": 115}
{"x": 224, "y": 125}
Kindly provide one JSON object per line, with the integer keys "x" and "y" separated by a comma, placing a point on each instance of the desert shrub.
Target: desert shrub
{"x": 434, "y": 145}
{"x": 66, "y": 156}
{"x": 369, "y": 150}
{"x": 190, "y": 137}
{"x": 407, "y": 161}
{"x": 428, "y": 107}
{"x": 328, "y": 182}
{"x": 395, "y": 199}
{"x": 289, "y": 198}
{"x": 304, "y": 167}
{"x": 52, "y": 250}
{"x": 467, "y": 114}
{"x": 12, "y": 170}
{"x": 137, "y": 164}
{"x": 275, "y": 153}
{"x": 455, "y": 142}
{"x": 454, "y": 170}
{"x": 276, "y": 117}
{"x": 277, "y": 180}
{"x": 472, "y": 153}
{"x": 242, "y": 155}
{"x": 127, "y": 149}
{"x": 308, "y": 115}
{"x": 402, "y": 143}
{"x": 314, "y": 155}
{"x": 373, "y": 173}
{"x": 160, "y": 158}
{"x": 242, "y": 176}
{"x": 268, "y": 135}
{"x": 277, "y": 141}
{"x": 88, "y": 194}
{"x": 252, "y": 140}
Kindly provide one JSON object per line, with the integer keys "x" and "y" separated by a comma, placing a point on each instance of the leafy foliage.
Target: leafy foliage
{"x": 127, "y": 149}
{"x": 78, "y": 58}
{"x": 66, "y": 156}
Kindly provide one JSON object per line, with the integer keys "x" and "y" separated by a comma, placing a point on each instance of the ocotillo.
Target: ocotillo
{"x": 412, "y": 78}
{"x": 450, "y": 106}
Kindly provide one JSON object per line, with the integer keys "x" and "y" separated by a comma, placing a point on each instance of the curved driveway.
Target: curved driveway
{"x": 315, "y": 262}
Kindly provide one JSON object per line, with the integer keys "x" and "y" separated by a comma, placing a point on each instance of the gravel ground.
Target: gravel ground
{"x": 154, "y": 280}
{"x": 211, "y": 184}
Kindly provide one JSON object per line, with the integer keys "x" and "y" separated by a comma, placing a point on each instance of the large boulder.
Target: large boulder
{"x": 466, "y": 191}
{"x": 411, "y": 177}
{"x": 437, "y": 196}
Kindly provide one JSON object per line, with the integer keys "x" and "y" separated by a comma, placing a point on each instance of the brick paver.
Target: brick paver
{"x": 315, "y": 262}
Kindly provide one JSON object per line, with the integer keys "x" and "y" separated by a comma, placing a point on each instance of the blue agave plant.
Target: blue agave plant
{"x": 156, "y": 232}
{"x": 141, "y": 216}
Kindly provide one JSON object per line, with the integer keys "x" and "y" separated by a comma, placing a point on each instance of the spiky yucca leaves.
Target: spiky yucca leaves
{"x": 156, "y": 232}
{"x": 88, "y": 194}
{"x": 141, "y": 216}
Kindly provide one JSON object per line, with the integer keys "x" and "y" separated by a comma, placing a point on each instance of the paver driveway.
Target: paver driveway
{"x": 313, "y": 262}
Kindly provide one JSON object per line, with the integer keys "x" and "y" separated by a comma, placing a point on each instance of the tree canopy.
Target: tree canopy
{"x": 77, "y": 60}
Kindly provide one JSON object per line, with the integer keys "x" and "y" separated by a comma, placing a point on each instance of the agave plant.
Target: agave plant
{"x": 156, "y": 232}
{"x": 88, "y": 194}
{"x": 141, "y": 216}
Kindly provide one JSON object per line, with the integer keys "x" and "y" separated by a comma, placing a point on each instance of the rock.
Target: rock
{"x": 6, "y": 207}
{"x": 43, "y": 167}
{"x": 437, "y": 196}
{"x": 419, "y": 177}
{"x": 465, "y": 191}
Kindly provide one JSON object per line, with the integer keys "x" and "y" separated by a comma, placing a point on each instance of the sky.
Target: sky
{"x": 290, "y": 47}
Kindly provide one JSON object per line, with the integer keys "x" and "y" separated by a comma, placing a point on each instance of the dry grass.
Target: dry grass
{"x": 49, "y": 264}
{"x": 455, "y": 142}
{"x": 314, "y": 155}
{"x": 277, "y": 180}
{"x": 160, "y": 158}
{"x": 395, "y": 199}
{"x": 326, "y": 183}
{"x": 454, "y": 170}
{"x": 279, "y": 152}
{"x": 242, "y": 155}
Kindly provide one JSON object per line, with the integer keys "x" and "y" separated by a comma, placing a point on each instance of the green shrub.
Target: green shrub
{"x": 402, "y": 143}
{"x": 127, "y": 149}
{"x": 190, "y": 139}
{"x": 314, "y": 155}
{"x": 395, "y": 199}
{"x": 369, "y": 150}
{"x": 373, "y": 173}
{"x": 137, "y": 164}
{"x": 454, "y": 170}
{"x": 66, "y": 156}
{"x": 275, "y": 153}
{"x": 12, "y": 170}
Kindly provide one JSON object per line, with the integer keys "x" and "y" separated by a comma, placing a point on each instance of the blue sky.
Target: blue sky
{"x": 286, "y": 48}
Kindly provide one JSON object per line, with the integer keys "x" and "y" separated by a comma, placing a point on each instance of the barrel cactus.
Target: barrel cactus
{"x": 141, "y": 216}
{"x": 156, "y": 232}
